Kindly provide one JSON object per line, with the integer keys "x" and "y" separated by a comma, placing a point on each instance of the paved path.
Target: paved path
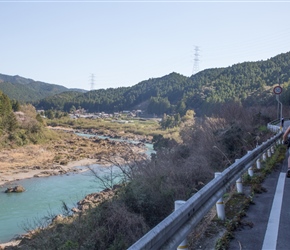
{"x": 270, "y": 216}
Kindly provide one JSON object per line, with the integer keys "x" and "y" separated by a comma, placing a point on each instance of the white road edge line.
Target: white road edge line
{"x": 270, "y": 239}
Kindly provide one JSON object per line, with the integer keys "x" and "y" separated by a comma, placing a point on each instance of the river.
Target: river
{"x": 44, "y": 197}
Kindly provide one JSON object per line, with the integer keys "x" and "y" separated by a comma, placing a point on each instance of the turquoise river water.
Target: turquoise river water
{"x": 43, "y": 197}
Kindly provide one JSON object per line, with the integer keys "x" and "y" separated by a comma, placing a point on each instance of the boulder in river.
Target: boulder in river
{"x": 16, "y": 189}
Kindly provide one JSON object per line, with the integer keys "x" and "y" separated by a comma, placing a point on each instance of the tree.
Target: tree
{"x": 181, "y": 108}
{"x": 11, "y": 122}
{"x": 39, "y": 119}
{"x": 188, "y": 115}
{"x": 8, "y": 121}
{"x": 158, "y": 105}
{"x": 5, "y": 105}
{"x": 49, "y": 114}
{"x": 72, "y": 109}
{"x": 15, "y": 105}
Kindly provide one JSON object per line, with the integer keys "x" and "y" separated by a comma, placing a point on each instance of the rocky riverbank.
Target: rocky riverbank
{"x": 62, "y": 156}
{"x": 89, "y": 201}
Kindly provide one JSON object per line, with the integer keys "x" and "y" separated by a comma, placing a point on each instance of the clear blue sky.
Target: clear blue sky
{"x": 125, "y": 42}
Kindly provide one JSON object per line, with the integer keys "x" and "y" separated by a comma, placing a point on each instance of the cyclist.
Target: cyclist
{"x": 286, "y": 140}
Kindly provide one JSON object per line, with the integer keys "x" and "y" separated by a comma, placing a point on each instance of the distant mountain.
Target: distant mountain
{"x": 28, "y": 90}
{"x": 250, "y": 83}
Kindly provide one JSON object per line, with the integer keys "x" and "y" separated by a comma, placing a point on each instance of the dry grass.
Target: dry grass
{"x": 55, "y": 153}
{"x": 31, "y": 155}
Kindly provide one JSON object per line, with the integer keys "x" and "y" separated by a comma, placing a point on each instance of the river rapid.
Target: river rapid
{"x": 44, "y": 197}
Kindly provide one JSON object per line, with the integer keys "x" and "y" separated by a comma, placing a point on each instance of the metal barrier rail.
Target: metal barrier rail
{"x": 170, "y": 232}
{"x": 273, "y": 128}
{"x": 275, "y": 125}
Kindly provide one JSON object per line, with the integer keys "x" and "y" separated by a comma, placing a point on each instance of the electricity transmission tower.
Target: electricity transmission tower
{"x": 196, "y": 60}
{"x": 92, "y": 81}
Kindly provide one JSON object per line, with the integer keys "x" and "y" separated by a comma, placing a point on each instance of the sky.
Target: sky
{"x": 111, "y": 44}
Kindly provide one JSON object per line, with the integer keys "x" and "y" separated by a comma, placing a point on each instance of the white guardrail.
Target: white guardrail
{"x": 275, "y": 126}
{"x": 170, "y": 232}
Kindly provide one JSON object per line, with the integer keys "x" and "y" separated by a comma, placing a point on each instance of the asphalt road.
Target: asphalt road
{"x": 270, "y": 216}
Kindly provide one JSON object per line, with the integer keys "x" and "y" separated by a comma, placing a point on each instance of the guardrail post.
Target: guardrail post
{"x": 239, "y": 185}
{"x": 269, "y": 152}
{"x": 264, "y": 157}
{"x": 272, "y": 150}
{"x": 258, "y": 163}
{"x": 183, "y": 244}
{"x": 250, "y": 169}
{"x": 220, "y": 206}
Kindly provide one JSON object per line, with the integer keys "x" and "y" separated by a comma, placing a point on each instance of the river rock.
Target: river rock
{"x": 94, "y": 199}
{"x": 58, "y": 218}
{"x": 75, "y": 210}
{"x": 16, "y": 189}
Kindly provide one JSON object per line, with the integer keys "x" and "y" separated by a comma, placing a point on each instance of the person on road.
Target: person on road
{"x": 286, "y": 140}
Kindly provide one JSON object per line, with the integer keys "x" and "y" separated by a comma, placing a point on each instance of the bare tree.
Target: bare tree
{"x": 122, "y": 166}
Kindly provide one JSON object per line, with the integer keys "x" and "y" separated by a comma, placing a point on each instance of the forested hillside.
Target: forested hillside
{"x": 19, "y": 124}
{"x": 250, "y": 83}
{"x": 7, "y": 118}
{"x": 27, "y": 90}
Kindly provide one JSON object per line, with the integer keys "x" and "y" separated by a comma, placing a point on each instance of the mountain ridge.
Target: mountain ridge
{"x": 26, "y": 90}
{"x": 250, "y": 83}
